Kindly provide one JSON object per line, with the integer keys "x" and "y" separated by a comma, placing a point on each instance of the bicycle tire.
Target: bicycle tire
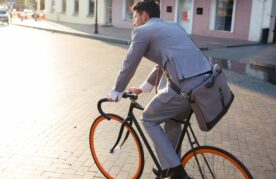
{"x": 126, "y": 162}
{"x": 226, "y": 163}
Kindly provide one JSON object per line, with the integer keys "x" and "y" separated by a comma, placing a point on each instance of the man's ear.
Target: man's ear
{"x": 145, "y": 16}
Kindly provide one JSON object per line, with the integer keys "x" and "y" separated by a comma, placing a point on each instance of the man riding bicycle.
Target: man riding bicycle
{"x": 180, "y": 61}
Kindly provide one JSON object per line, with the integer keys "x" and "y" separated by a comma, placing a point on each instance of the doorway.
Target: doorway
{"x": 185, "y": 13}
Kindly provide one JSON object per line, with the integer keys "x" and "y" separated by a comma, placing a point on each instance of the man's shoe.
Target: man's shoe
{"x": 178, "y": 173}
{"x": 163, "y": 174}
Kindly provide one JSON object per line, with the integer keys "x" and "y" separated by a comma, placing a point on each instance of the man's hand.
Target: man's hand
{"x": 110, "y": 99}
{"x": 135, "y": 90}
{"x": 114, "y": 96}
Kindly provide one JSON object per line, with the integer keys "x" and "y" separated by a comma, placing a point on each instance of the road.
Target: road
{"x": 50, "y": 84}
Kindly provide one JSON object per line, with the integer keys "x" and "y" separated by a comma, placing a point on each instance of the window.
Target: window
{"x": 76, "y": 8}
{"x": 128, "y": 9}
{"x": 224, "y": 15}
{"x": 42, "y": 4}
{"x": 53, "y": 5}
{"x": 63, "y": 5}
{"x": 91, "y": 7}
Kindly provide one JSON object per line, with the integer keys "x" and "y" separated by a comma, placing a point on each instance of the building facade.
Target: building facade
{"x": 235, "y": 19}
{"x": 79, "y": 11}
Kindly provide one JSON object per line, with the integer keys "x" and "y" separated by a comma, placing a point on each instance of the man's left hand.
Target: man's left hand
{"x": 135, "y": 90}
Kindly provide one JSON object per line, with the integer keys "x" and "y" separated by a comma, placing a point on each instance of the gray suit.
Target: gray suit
{"x": 168, "y": 45}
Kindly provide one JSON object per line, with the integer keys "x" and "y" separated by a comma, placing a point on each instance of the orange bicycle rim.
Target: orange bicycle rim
{"x": 105, "y": 173}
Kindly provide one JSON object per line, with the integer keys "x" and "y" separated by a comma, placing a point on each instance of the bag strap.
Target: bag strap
{"x": 178, "y": 89}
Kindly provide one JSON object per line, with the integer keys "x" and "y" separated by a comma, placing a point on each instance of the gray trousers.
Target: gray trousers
{"x": 162, "y": 108}
{"x": 165, "y": 139}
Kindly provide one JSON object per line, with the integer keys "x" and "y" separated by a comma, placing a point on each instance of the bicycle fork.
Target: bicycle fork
{"x": 126, "y": 122}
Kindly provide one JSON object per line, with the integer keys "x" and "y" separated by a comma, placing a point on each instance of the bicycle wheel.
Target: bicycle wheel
{"x": 214, "y": 163}
{"x": 127, "y": 159}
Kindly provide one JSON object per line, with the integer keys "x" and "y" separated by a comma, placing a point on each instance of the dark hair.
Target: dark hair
{"x": 149, "y": 6}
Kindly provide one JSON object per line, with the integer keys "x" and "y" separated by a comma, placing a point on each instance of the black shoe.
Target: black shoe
{"x": 178, "y": 173}
{"x": 162, "y": 174}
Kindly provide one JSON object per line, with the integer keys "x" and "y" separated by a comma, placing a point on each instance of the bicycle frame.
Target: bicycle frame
{"x": 130, "y": 119}
{"x": 196, "y": 150}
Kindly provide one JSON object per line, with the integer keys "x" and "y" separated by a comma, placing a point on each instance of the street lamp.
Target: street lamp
{"x": 96, "y": 19}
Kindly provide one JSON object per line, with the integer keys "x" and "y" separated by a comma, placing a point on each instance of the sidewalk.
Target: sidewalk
{"x": 258, "y": 58}
{"x": 122, "y": 35}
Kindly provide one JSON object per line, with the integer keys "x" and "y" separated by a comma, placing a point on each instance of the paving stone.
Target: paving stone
{"x": 51, "y": 174}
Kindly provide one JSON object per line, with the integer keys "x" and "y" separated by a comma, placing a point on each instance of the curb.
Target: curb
{"x": 112, "y": 39}
{"x": 243, "y": 45}
{"x": 96, "y": 37}
{"x": 263, "y": 64}
{"x": 264, "y": 72}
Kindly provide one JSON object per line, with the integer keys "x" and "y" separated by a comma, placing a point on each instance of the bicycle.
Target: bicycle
{"x": 127, "y": 159}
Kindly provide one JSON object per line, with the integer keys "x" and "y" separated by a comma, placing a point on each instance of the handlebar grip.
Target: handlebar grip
{"x": 130, "y": 95}
{"x": 100, "y": 108}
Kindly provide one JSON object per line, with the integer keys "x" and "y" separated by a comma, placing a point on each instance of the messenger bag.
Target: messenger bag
{"x": 211, "y": 100}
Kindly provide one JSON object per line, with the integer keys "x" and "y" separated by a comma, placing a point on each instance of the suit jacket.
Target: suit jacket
{"x": 163, "y": 43}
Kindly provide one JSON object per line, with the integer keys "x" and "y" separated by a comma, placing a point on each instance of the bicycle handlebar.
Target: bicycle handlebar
{"x": 131, "y": 96}
{"x": 99, "y": 105}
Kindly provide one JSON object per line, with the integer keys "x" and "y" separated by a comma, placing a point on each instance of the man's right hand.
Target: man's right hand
{"x": 135, "y": 90}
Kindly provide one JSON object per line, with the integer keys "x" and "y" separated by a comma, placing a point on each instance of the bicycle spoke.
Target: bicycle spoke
{"x": 208, "y": 166}
{"x": 213, "y": 163}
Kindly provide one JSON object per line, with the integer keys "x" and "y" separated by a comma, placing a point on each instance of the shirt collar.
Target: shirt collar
{"x": 154, "y": 19}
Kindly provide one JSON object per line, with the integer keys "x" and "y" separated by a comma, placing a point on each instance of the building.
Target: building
{"x": 17, "y": 4}
{"x": 236, "y": 19}
{"x": 252, "y": 20}
{"x": 79, "y": 11}
{"x": 20, "y": 4}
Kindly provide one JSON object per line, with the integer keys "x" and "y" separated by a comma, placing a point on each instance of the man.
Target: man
{"x": 167, "y": 45}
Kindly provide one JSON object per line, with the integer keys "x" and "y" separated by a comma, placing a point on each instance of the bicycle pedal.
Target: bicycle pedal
{"x": 162, "y": 174}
